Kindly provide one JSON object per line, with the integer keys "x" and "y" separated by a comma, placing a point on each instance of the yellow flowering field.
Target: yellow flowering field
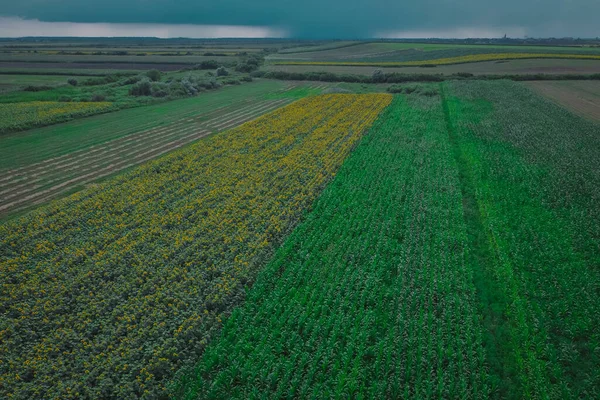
{"x": 18, "y": 116}
{"x": 447, "y": 61}
{"x": 106, "y": 293}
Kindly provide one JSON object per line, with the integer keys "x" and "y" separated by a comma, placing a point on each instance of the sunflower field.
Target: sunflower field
{"x": 19, "y": 116}
{"x": 106, "y": 293}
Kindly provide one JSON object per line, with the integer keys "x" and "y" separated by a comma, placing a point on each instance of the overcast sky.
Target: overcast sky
{"x": 307, "y": 18}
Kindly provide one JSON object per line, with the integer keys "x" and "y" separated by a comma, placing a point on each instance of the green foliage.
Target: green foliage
{"x": 222, "y": 71}
{"x": 141, "y": 88}
{"x": 530, "y": 172}
{"x": 154, "y": 75}
{"x": 38, "y": 88}
{"x": 371, "y": 297}
{"x": 105, "y": 294}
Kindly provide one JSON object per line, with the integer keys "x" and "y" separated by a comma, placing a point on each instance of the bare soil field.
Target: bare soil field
{"x": 534, "y": 66}
{"x": 581, "y": 97}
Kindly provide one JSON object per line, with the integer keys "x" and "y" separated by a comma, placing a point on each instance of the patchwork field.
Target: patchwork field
{"x": 267, "y": 239}
{"x": 582, "y": 98}
{"x": 56, "y": 160}
{"x": 508, "y": 67}
{"x": 407, "y": 52}
{"x": 111, "y": 311}
{"x": 440, "y": 263}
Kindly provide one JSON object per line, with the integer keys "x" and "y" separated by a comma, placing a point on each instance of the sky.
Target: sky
{"x": 319, "y": 19}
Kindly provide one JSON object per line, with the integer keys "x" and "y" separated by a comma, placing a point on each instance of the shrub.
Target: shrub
{"x": 209, "y": 64}
{"x": 464, "y": 74}
{"x": 222, "y": 71}
{"x": 142, "y": 88}
{"x": 378, "y": 76}
{"x": 231, "y": 81}
{"x": 40, "y": 88}
{"x": 159, "y": 89}
{"x": 154, "y": 75}
{"x": 97, "y": 97}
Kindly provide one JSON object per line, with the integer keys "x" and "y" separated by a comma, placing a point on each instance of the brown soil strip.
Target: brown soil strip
{"x": 580, "y": 100}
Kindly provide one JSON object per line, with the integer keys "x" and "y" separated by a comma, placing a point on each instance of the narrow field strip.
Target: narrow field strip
{"x": 134, "y": 140}
{"x": 533, "y": 176}
{"x": 448, "y": 60}
{"x": 99, "y": 170}
{"x": 133, "y": 137}
{"x": 26, "y": 148}
{"x": 51, "y": 179}
{"x": 372, "y": 296}
{"x": 97, "y": 173}
{"x": 107, "y": 292}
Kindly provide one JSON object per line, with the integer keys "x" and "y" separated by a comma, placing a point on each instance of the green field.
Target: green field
{"x": 452, "y": 257}
{"x": 283, "y": 239}
{"x": 112, "y": 310}
{"x": 48, "y": 163}
{"x": 24, "y": 148}
{"x": 26, "y": 80}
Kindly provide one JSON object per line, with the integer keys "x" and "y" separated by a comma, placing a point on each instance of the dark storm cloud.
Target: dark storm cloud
{"x": 331, "y": 18}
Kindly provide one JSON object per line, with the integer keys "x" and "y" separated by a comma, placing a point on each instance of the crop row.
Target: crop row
{"x": 19, "y": 116}
{"x": 108, "y": 292}
{"x": 372, "y": 296}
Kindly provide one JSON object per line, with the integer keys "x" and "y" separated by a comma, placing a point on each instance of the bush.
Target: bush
{"x": 130, "y": 80}
{"x": 222, "y": 71}
{"x": 231, "y": 81}
{"x": 464, "y": 74}
{"x": 154, "y": 75}
{"x": 378, "y": 76}
{"x": 209, "y": 64}
{"x": 72, "y": 81}
{"x": 97, "y": 97}
{"x": 142, "y": 88}
{"x": 159, "y": 89}
{"x": 40, "y": 88}
{"x": 246, "y": 67}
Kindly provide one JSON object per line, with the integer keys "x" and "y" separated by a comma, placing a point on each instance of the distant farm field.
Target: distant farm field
{"x": 508, "y": 67}
{"x": 16, "y": 116}
{"x": 420, "y": 52}
{"x": 582, "y": 98}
